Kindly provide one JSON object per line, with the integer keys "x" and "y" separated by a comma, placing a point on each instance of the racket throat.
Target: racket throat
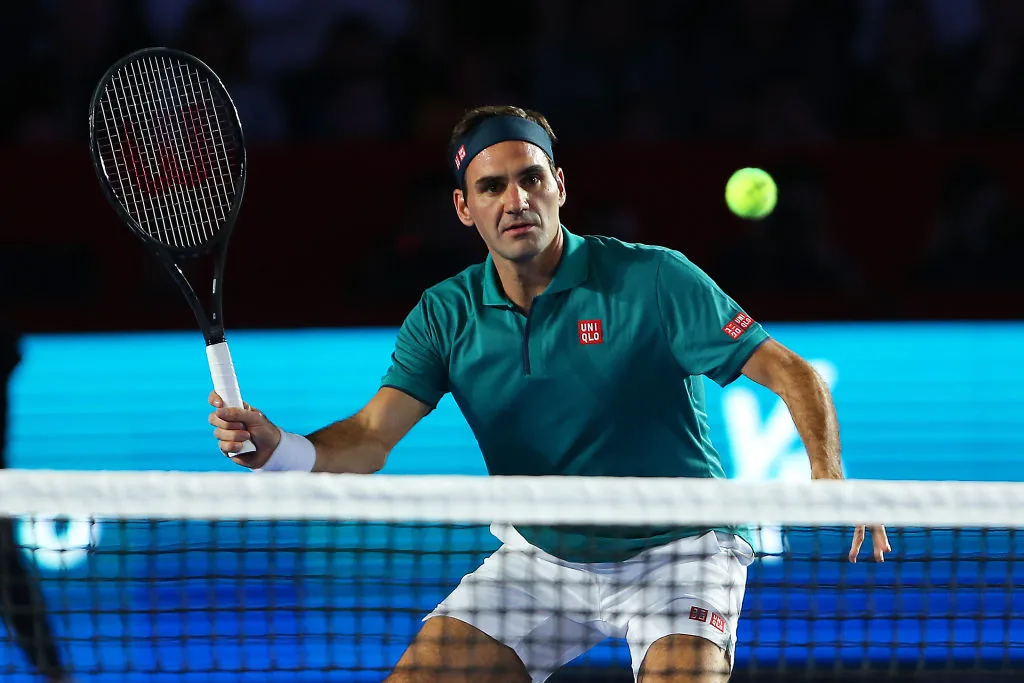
{"x": 213, "y": 327}
{"x": 214, "y": 335}
{"x": 210, "y": 316}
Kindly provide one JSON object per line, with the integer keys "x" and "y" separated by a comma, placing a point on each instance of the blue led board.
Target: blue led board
{"x": 916, "y": 401}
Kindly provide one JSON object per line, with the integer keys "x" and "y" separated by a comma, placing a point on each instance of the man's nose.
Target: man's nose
{"x": 516, "y": 199}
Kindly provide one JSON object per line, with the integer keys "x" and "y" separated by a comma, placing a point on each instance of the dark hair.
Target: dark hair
{"x": 477, "y": 115}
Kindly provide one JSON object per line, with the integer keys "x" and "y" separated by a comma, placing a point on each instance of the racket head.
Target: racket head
{"x": 168, "y": 149}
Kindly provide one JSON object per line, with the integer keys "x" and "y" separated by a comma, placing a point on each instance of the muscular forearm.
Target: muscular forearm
{"x": 348, "y": 446}
{"x": 810, "y": 403}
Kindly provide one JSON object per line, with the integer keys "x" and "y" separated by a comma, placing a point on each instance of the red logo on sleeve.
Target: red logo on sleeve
{"x": 738, "y": 325}
{"x": 699, "y": 614}
{"x": 718, "y": 622}
{"x": 590, "y": 332}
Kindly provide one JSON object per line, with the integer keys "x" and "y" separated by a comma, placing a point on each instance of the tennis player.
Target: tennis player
{"x": 568, "y": 355}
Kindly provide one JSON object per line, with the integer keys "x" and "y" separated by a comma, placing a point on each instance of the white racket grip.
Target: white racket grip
{"x": 225, "y": 383}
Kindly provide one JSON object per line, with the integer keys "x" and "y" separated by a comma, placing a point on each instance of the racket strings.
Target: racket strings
{"x": 151, "y": 183}
{"x": 179, "y": 142}
{"x": 169, "y": 147}
{"x": 166, "y": 149}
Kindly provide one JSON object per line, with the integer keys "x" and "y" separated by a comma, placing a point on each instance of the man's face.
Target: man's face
{"x": 513, "y": 200}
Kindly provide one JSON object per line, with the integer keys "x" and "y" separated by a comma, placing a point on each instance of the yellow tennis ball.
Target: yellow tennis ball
{"x": 751, "y": 193}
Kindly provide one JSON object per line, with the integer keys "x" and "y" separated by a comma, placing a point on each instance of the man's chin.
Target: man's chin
{"x": 522, "y": 245}
{"x": 521, "y": 251}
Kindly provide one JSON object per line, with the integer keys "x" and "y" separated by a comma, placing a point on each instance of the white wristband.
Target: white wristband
{"x": 295, "y": 453}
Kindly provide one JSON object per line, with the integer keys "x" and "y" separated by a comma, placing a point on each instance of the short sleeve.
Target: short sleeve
{"x": 418, "y": 365}
{"x": 709, "y": 334}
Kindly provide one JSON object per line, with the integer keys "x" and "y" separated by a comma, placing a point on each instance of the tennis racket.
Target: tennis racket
{"x": 168, "y": 149}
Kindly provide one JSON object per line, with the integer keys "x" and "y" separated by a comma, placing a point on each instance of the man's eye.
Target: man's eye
{"x": 532, "y": 179}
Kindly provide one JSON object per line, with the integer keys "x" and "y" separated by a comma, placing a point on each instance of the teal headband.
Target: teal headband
{"x": 492, "y": 131}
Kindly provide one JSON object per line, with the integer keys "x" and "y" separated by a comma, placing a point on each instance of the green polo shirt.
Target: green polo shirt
{"x": 603, "y": 377}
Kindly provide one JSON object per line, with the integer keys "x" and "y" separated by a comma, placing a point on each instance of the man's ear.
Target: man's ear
{"x": 560, "y": 180}
{"x": 461, "y": 208}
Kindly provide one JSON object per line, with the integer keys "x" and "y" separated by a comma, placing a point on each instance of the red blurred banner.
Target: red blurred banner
{"x": 350, "y": 234}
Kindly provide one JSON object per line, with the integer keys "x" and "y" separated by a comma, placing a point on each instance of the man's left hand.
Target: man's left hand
{"x": 879, "y": 542}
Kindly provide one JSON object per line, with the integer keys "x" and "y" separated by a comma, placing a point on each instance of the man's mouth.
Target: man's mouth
{"x": 516, "y": 228}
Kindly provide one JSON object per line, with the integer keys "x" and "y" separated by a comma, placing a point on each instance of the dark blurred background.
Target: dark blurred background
{"x": 893, "y": 127}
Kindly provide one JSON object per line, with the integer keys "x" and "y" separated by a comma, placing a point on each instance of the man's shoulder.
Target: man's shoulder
{"x": 611, "y": 251}
{"x": 458, "y": 290}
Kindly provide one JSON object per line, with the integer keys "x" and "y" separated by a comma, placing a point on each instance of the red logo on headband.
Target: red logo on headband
{"x": 459, "y": 157}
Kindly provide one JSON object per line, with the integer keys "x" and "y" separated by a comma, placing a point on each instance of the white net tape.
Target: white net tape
{"x": 524, "y": 500}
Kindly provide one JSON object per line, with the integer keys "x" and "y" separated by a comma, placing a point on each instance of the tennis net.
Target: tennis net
{"x": 165, "y": 576}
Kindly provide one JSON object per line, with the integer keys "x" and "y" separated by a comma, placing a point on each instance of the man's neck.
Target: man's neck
{"x": 522, "y": 282}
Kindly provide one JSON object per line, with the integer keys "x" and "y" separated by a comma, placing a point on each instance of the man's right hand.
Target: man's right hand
{"x": 234, "y": 426}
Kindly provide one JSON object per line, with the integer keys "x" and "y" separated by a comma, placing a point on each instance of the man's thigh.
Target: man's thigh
{"x": 685, "y": 659}
{"x": 447, "y": 650}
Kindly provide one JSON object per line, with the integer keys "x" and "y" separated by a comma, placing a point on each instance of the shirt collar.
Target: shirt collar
{"x": 572, "y": 271}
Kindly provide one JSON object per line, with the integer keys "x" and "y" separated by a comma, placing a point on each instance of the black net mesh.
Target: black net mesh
{"x": 134, "y": 599}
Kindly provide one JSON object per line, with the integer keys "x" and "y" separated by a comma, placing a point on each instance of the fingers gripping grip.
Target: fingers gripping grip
{"x": 225, "y": 383}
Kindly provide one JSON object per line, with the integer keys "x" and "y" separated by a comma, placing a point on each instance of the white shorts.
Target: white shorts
{"x": 550, "y": 611}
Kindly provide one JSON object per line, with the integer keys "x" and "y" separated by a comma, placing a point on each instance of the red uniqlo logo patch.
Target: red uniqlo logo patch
{"x": 699, "y": 614}
{"x": 738, "y": 325}
{"x": 718, "y": 622}
{"x": 590, "y": 332}
{"x": 459, "y": 157}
